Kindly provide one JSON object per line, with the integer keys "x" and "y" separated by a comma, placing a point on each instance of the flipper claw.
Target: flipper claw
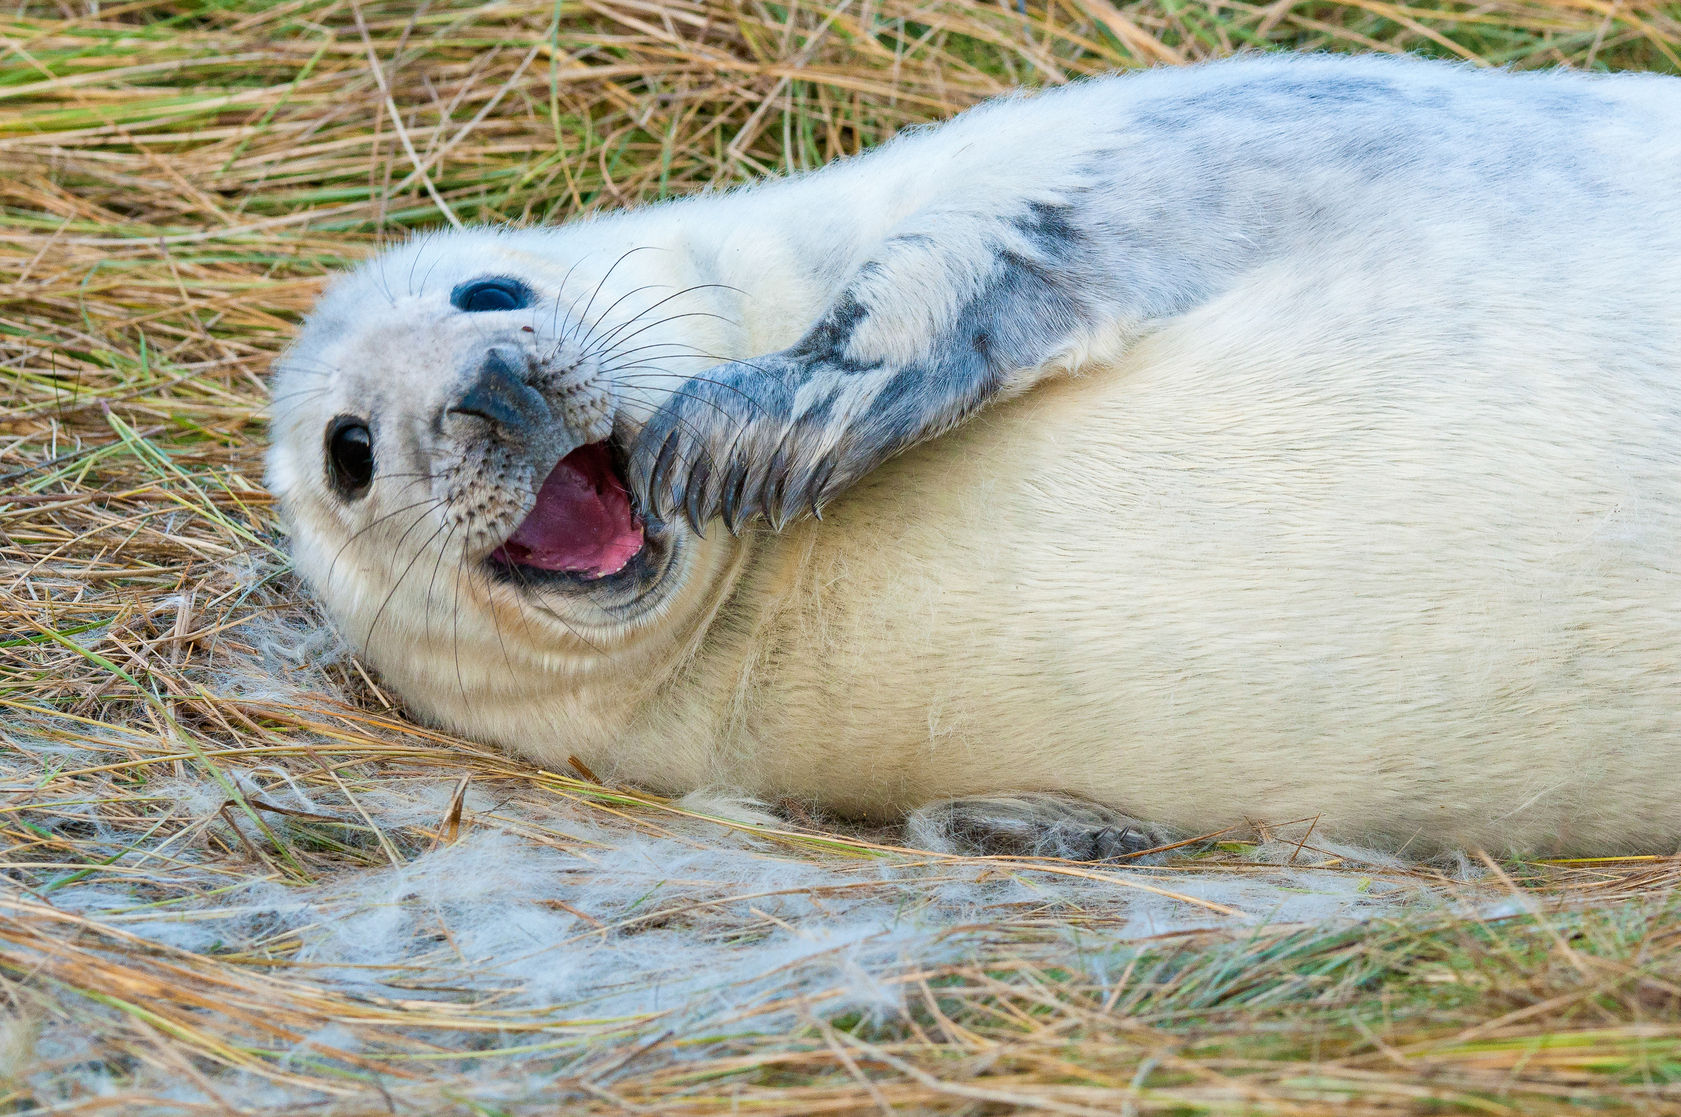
{"x": 731, "y": 492}
{"x": 698, "y": 503}
{"x": 658, "y": 496}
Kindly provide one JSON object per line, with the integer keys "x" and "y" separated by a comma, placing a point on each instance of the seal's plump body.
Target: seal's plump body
{"x": 1350, "y": 490}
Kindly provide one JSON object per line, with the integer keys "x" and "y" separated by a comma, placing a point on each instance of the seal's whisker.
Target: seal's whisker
{"x": 384, "y": 280}
{"x": 699, "y": 380}
{"x": 443, "y": 550}
{"x": 602, "y": 283}
{"x": 723, "y": 413}
{"x": 589, "y": 334}
{"x": 455, "y": 616}
{"x": 302, "y": 393}
{"x": 313, "y": 390}
{"x": 608, "y": 337}
{"x": 291, "y": 359}
{"x": 679, "y": 348}
{"x": 528, "y": 586}
{"x": 519, "y": 603}
{"x": 455, "y": 607}
{"x": 462, "y": 573}
{"x": 684, "y": 423}
{"x": 645, "y": 370}
{"x": 310, "y": 366}
{"x": 426, "y": 280}
{"x": 675, "y": 317}
{"x": 367, "y": 640}
{"x": 675, "y": 293}
{"x": 333, "y": 565}
{"x": 673, "y": 349}
{"x": 614, "y": 333}
{"x": 432, "y": 503}
{"x": 408, "y": 473}
{"x": 571, "y": 304}
{"x": 426, "y": 240}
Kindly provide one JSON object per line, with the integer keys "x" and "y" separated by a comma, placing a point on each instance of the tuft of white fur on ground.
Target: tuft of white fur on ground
{"x": 634, "y": 921}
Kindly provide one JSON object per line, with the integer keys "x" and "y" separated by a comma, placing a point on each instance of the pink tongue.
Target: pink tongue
{"x": 581, "y": 523}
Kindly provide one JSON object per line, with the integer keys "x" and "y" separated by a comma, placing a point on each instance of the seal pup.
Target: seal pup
{"x": 1342, "y": 477}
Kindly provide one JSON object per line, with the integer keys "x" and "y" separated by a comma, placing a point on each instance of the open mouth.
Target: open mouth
{"x": 582, "y": 523}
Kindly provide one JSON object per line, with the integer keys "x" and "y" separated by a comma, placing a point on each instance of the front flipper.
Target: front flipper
{"x": 948, "y": 316}
{"x": 1032, "y": 824}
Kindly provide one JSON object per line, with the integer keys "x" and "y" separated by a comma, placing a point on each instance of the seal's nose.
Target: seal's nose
{"x": 499, "y": 394}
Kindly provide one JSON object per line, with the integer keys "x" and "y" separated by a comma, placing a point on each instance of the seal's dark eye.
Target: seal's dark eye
{"x": 491, "y": 294}
{"x": 350, "y": 456}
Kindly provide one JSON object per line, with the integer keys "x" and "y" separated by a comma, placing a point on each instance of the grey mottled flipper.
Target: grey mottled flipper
{"x": 1122, "y": 221}
{"x": 1128, "y": 208}
{"x": 943, "y": 319}
{"x": 1031, "y": 824}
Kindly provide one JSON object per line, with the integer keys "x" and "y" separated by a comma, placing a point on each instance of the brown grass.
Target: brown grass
{"x": 175, "y": 181}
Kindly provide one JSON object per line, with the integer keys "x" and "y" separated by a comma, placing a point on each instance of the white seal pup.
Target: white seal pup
{"x": 1342, "y": 481}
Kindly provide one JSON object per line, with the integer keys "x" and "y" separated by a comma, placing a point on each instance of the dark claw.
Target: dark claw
{"x": 708, "y": 484}
{"x": 774, "y": 484}
{"x": 695, "y": 506}
{"x": 817, "y": 485}
{"x": 731, "y": 491}
{"x": 770, "y": 489}
{"x": 660, "y": 474}
{"x": 701, "y": 456}
{"x": 752, "y": 486}
{"x": 672, "y": 491}
{"x": 790, "y": 501}
{"x": 637, "y": 471}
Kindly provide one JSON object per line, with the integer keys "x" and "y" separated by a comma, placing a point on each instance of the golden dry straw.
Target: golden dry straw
{"x": 211, "y": 814}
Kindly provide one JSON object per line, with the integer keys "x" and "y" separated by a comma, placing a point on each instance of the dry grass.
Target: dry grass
{"x": 175, "y": 180}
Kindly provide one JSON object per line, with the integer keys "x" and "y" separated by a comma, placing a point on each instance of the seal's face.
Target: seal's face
{"x": 448, "y": 451}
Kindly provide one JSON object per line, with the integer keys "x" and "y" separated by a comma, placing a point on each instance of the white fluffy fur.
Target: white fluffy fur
{"x": 1384, "y": 529}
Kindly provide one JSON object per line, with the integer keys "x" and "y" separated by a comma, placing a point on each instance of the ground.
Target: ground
{"x": 235, "y": 878}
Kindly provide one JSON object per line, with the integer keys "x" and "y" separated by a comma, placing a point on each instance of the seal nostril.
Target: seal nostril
{"x": 499, "y": 395}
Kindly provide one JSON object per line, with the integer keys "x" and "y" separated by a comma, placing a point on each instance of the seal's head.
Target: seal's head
{"x": 448, "y": 438}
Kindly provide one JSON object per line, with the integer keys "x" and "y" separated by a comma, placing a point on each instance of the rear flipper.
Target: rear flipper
{"x": 1032, "y": 824}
